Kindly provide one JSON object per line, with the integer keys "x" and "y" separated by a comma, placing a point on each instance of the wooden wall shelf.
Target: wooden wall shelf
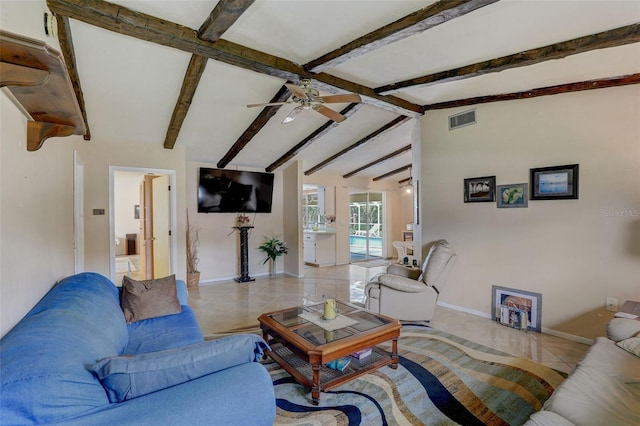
{"x": 37, "y": 77}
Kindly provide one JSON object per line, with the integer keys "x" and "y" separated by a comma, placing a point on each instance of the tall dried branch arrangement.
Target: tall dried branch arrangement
{"x": 193, "y": 241}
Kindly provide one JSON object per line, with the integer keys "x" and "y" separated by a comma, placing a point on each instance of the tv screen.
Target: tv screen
{"x": 234, "y": 191}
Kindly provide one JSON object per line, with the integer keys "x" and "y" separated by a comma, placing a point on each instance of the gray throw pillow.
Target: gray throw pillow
{"x": 149, "y": 299}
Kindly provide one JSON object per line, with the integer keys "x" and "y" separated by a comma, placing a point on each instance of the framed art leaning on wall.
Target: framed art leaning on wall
{"x": 517, "y": 308}
{"x": 554, "y": 183}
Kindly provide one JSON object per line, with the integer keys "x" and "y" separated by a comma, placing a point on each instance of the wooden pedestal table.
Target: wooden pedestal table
{"x": 303, "y": 347}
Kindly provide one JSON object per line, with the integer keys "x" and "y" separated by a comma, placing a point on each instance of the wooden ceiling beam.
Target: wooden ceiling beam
{"x": 412, "y": 24}
{"x": 390, "y": 125}
{"x": 379, "y": 160}
{"x": 69, "y": 55}
{"x": 190, "y": 83}
{"x": 542, "y": 91}
{"x": 128, "y": 22}
{"x": 392, "y": 172}
{"x": 317, "y": 134}
{"x": 223, "y": 15}
{"x": 606, "y": 39}
{"x": 257, "y": 124}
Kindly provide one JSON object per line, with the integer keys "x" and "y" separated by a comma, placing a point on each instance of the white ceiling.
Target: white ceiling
{"x": 131, "y": 86}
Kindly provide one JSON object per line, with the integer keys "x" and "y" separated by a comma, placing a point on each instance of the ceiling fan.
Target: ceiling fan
{"x": 307, "y": 98}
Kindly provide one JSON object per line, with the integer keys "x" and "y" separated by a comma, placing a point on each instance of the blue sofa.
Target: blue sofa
{"x": 53, "y": 361}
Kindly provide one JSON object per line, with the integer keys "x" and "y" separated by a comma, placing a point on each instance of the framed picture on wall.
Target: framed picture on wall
{"x": 554, "y": 183}
{"x": 480, "y": 189}
{"x": 513, "y": 195}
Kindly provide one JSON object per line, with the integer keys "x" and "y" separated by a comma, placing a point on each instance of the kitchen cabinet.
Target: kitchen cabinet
{"x": 319, "y": 248}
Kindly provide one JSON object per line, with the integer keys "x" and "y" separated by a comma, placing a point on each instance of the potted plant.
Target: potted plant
{"x": 193, "y": 241}
{"x": 273, "y": 248}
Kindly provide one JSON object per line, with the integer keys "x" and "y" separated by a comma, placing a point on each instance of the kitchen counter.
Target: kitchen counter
{"x": 320, "y": 231}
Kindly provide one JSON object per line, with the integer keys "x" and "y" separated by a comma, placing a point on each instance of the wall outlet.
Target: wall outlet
{"x": 611, "y": 304}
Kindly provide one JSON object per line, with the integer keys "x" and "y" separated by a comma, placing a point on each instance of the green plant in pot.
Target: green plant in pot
{"x": 273, "y": 248}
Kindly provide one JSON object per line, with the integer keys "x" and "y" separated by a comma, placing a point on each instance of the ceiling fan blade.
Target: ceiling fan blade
{"x": 348, "y": 98}
{"x": 268, "y": 104}
{"x": 296, "y": 91}
{"x": 292, "y": 115}
{"x": 329, "y": 113}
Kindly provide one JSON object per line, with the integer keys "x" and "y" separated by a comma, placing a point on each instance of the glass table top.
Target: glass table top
{"x": 317, "y": 335}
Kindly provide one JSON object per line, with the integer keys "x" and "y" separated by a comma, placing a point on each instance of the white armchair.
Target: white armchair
{"x": 400, "y": 295}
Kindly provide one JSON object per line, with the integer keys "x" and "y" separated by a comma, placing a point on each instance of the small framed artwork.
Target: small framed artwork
{"x": 554, "y": 183}
{"x": 517, "y": 308}
{"x": 480, "y": 189}
{"x": 513, "y": 195}
{"x": 136, "y": 211}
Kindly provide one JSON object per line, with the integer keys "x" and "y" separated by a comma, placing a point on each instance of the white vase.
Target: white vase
{"x": 272, "y": 267}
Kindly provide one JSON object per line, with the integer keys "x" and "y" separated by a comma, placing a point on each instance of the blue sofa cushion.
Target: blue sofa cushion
{"x": 130, "y": 376}
{"x": 169, "y": 331}
{"x": 45, "y": 356}
{"x": 149, "y": 298}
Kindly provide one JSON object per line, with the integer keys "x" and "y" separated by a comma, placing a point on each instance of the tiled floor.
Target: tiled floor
{"x": 224, "y": 306}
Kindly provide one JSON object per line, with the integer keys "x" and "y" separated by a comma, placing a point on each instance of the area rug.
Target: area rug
{"x": 441, "y": 380}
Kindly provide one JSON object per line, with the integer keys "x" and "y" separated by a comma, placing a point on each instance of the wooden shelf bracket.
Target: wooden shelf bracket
{"x": 37, "y": 77}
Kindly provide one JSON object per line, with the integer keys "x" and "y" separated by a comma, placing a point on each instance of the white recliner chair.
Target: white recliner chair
{"x": 400, "y": 295}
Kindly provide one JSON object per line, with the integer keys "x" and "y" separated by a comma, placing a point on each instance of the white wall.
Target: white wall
{"x": 292, "y": 219}
{"x": 98, "y": 156}
{"x": 36, "y": 216}
{"x": 402, "y": 211}
{"x": 125, "y": 198}
{"x": 219, "y": 249}
{"x": 574, "y": 252}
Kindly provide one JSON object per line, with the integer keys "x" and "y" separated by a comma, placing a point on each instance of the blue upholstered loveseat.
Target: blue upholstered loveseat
{"x": 65, "y": 362}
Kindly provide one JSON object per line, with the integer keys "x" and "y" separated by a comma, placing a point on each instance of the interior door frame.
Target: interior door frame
{"x": 78, "y": 213}
{"x": 173, "y": 221}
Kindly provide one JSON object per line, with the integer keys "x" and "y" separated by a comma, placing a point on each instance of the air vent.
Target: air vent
{"x": 466, "y": 118}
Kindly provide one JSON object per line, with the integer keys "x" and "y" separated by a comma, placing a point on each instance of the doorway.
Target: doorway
{"x": 142, "y": 212}
{"x": 365, "y": 227}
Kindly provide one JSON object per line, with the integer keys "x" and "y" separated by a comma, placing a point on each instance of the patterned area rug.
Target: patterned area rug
{"x": 442, "y": 380}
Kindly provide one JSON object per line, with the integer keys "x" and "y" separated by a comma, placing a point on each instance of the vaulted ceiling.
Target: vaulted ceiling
{"x": 176, "y": 73}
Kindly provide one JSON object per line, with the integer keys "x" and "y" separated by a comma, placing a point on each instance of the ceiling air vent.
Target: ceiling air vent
{"x": 466, "y": 118}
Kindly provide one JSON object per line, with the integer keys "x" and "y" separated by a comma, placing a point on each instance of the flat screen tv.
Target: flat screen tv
{"x": 234, "y": 191}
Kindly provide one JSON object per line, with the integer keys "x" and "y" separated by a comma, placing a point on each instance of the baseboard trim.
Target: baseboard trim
{"x": 545, "y": 330}
{"x": 262, "y": 274}
{"x": 567, "y": 336}
{"x": 462, "y": 309}
{"x": 216, "y": 280}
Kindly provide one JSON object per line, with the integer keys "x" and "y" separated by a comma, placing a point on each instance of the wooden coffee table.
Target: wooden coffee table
{"x": 302, "y": 347}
